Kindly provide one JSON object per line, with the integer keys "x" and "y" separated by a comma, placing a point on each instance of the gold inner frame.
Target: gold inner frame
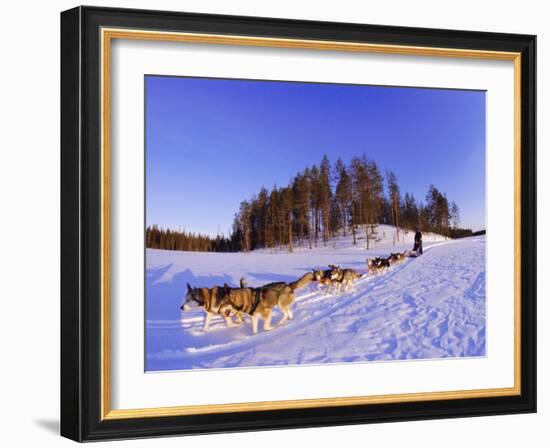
{"x": 107, "y": 35}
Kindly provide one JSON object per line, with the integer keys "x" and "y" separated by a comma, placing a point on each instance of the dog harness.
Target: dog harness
{"x": 256, "y": 301}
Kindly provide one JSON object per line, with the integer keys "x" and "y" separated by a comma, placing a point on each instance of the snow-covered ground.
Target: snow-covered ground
{"x": 429, "y": 307}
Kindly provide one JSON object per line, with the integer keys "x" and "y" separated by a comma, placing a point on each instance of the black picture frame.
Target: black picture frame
{"x": 81, "y": 224}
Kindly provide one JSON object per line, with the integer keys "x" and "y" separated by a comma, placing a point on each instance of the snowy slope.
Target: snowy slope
{"x": 430, "y": 307}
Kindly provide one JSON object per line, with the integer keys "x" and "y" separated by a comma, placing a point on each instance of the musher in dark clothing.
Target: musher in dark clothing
{"x": 418, "y": 242}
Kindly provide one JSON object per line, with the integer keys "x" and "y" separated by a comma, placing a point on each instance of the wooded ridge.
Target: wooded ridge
{"x": 320, "y": 201}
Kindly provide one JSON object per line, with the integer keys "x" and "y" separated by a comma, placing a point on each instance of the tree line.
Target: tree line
{"x": 159, "y": 238}
{"x": 320, "y": 202}
{"x": 323, "y": 200}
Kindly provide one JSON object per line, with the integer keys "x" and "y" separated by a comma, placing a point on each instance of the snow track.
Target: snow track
{"x": 429, "y": 307}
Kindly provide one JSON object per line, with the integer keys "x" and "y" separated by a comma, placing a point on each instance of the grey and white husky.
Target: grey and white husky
{"x": 397, "y": 257}
{"x": 209, "y": 299}
{"x": 344, "y": 277}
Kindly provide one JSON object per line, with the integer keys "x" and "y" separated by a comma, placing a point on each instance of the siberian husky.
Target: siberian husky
{"x": 377, "y": 265}
{"x": 324, "y": 278}
{"x": 397, "y": 257}
{"x": 344, "y": 277}
{"x": 209, "y": 300}
{"x": 259, "y": 302}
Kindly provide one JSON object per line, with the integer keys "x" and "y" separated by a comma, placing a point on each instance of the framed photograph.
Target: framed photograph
{"x": 274, "y": 223}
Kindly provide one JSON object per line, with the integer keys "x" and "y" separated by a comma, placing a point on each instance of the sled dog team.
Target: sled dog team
{"x": 378, "y": 265}
{"x": 255, "y": 302}
{"x": 259, "y": 302}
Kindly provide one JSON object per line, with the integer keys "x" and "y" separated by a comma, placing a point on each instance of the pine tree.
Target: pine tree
{"x": 315, "y": 196}
{"x": 261, "y": 219}
{"x": 443, "y": 209}
{"x": 286, "y": 200}
{"x": 376, "y": 192}
{"x": 307, "y": 203}
{"x": 395, "y": 200}
{"x": 325, "y": 196}
{"x": 455, "y": 215}
{"x": 410, "y": 212}
{"x": 432, "y": 208}
{"x": 438, "y": 210}
{"x": 274, "y": 217}
{"x": 343, "y": 195}
{"x": 424, "y": 217}
{"x": 373, "y": 196}
{"x": 358, "y": 189}
{"x": 300, "y": 199}
{"x": 242, "y": 226}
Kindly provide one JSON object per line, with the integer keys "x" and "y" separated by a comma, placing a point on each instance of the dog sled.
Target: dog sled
{"x": 412, "y": 253}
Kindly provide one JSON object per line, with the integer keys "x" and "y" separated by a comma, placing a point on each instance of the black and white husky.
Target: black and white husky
{"x": 324, "y": 278}
{"x": 378, "y": 265}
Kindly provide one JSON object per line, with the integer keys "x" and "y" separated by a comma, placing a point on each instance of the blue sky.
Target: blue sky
{"x": 210, "y": 143}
